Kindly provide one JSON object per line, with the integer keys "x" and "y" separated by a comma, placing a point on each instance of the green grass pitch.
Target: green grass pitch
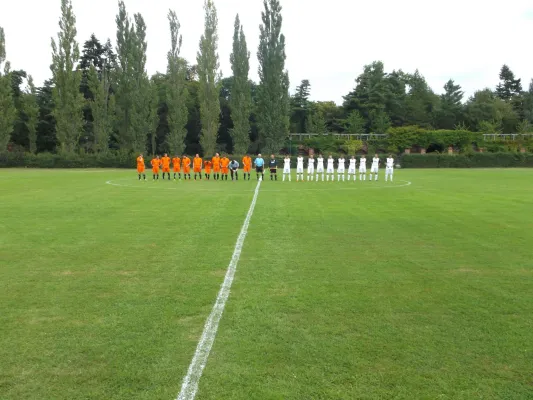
{"x": 365, "y": 290}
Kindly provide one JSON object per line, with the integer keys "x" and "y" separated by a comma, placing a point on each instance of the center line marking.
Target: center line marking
{"x": 189, "y": 387}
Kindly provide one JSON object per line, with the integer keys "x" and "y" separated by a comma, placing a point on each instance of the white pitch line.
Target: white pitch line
{"x": 189, "y": 387}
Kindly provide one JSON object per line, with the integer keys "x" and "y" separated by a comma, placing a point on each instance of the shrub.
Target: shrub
{"x": 472, "y": 160}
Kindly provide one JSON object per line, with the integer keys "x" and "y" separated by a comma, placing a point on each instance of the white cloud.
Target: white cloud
{"x": 327, "y": 43}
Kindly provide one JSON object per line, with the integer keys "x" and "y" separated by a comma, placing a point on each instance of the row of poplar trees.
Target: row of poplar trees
{"x": 116, "y": 93}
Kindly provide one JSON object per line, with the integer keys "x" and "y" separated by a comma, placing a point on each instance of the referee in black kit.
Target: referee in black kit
{"x": 273, "y": 166}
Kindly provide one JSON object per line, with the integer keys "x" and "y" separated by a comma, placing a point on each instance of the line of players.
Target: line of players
{"x": 329, "y": 171}
{"x": 222, "y": 166}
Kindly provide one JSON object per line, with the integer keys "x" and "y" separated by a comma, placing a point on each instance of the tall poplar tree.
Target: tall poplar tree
{"x": 273, "y": 91}
{"x": 208, "y": 64}
{"x": 142, "y": 118}
{"x": 8, "y": 112}
{"x": 241, "y": 95}
{"x": 177, "y": 93}
{"x": 123, "y": 77}
{"x": 31, "y": 109}
{"x": 68, "y": 100}
{"x": 102, "y": 108}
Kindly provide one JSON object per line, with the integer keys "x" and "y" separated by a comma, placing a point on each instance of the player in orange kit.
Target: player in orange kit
{"x": 197, "y": 166}
{"x": 224, "y": 166}
{"x": 216, "y": 166}
{"x": 186, "y": 164}
{"x": 165, "y": 163}
{"x": 207, "y": 169}
{"x": 246, "y": 166}
{"x": 156, "y": 163}
{"x": 176, "y": 164}
{"x": 141, "y": 167}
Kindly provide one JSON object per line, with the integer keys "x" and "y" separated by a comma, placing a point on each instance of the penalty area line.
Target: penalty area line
{"x": 189, "y": 386}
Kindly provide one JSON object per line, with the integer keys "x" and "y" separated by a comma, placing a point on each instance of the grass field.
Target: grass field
{"x": 361, "y": 290}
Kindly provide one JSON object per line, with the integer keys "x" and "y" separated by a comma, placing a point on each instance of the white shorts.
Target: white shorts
{"x": 310, "y": 170}
{"x": 340, "y": 171}
{"x": 320, "y": 169}
{"x": 374, "y": 170}
{"x": 389, "y": 170}
{"x": 286, "y": 170}
{"x": 351, "y": 171}
{"x": 330, "y": 170}
{"x": 362, "y": 170}
{"x": 299, "y": 170}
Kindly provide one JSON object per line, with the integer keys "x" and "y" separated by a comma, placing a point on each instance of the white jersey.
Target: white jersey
{"x": 375, "y": 165}
{"x": 311, "y": 166}
{"x": 362, "y": 165}
{"x": 287, "y": 166}
{"x": 351, "y": 167}
{"x": 320, "y": 165}
{"x": 300, "y": 165}
{"x": 341, "y": 166}
{"x": 331, "y": 167}
{"x": 390, "y": 163}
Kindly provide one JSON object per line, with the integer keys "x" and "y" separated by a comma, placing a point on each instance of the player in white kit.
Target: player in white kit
{"x": 287, "y": 168}
{"x": 389, "y": 168}
{"x": 320, "y": 167}
{"x": 340, "y": 168}
{"x": 362, "y": 169}
{"x": 310, "y": 168}
{"x": 374, "y": 169}
{"x": 299, "y": 169}
{"x": 331, "y": 168}
{"x": 351, "y": 169}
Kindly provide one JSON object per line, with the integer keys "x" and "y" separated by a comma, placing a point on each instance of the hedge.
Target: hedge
{"x": 473, "y": 160}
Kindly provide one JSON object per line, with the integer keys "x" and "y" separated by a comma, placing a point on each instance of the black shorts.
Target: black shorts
{"x": 259, "y": 170}
{"x": 273, "y": 170}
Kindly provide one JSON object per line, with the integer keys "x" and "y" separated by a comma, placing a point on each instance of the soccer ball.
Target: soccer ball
{"x": 398, "y": 166}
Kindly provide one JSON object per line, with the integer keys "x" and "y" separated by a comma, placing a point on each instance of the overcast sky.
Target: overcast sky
{"x": 328, "y": 42}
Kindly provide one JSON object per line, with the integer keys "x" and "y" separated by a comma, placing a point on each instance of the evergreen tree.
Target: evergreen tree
{"x": 46, "y": 128}
{"x": 8, "y": 112}
{"x": 31, "y": 110}
{"x": 241, "y": 95}
{"x": 177, "y": 93}
{"x": 273, "y": 92}
{"x": 300, "y": 107}
{"x": 102, "y": 106}
{"x": 68, "y": 101}
{"x": 208, "y": 64}
{"x": 420, "y": 102}
{"x": 508, "y": 86}
{"x": 449, "y": 112}
{"x": 316, "y": 123}
{"x": 354, "y": 123}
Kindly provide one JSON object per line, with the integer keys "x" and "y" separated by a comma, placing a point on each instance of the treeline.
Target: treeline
{"x": 101, "y": 99}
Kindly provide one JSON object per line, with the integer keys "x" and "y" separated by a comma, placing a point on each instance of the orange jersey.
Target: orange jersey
{"x": 224, "y": 162}
{"x": 247, "y": 164}
{"x": 155, "y": 165}
{"x": 207, "y": 166}
{"x": 186, "y": 164}
{"x": 176, "y": 162}
{"x": 140, "y": 165}
{"x": 197, "y": 164}
{"x": 165, "y": 163}
{"x": 216, "y": 164}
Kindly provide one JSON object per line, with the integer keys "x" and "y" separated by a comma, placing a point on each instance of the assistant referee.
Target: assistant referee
{"x": 273, "y": 166}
